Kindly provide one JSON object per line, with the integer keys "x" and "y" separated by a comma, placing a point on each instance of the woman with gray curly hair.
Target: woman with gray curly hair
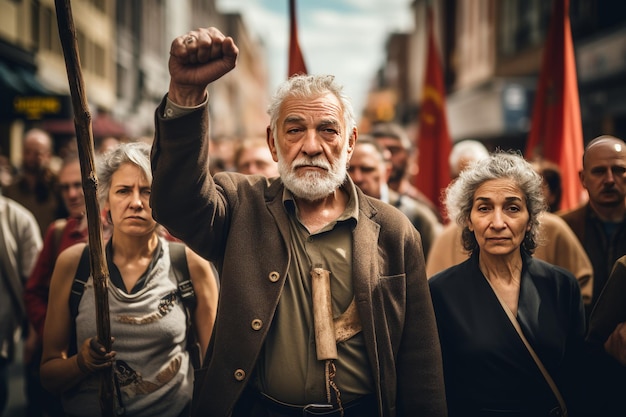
{"x": 487, "y": 305}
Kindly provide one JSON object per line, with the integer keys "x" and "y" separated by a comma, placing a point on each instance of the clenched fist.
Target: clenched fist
{"x": 197, "y": 59}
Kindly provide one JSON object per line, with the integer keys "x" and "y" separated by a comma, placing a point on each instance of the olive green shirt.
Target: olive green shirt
{"x": 288, "y": 368}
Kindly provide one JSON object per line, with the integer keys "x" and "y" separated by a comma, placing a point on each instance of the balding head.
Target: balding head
{"x": 604, "y": 142}
{"x": 36, "y": 151}
{"x": 604, "y": 176}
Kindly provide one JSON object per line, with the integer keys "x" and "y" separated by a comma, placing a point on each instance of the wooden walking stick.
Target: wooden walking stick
{"x": 84, "y": 137}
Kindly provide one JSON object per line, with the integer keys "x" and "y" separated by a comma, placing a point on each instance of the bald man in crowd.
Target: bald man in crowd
{"x": 35, "y": 186}
{"x": 600, "y": 225}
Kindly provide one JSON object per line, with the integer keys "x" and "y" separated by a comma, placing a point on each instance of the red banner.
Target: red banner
{"x": 556, "y": 131}
{"x": 433, "y": 139}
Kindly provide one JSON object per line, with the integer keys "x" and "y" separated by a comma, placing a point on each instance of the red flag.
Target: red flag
{"x": 556, "y": 132}
{"x": 296, "y": 60}
{"x": 433, "y": 140}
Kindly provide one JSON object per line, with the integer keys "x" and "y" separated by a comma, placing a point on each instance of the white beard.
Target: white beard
{"x": 313, "y": 186}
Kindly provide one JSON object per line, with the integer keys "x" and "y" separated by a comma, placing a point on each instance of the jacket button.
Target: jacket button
{"x": 274, "y": 276}
{"x": 240, "y": 374}
{"x": 256, "y": 324}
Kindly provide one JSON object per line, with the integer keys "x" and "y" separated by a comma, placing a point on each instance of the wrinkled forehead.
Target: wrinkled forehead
{"x": 325, "y": 106}
{"x": 500, "y": 188}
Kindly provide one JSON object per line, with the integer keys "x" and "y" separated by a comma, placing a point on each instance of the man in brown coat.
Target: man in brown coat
{"x": 600, "y": 225}
{"x": 324, "y": 303}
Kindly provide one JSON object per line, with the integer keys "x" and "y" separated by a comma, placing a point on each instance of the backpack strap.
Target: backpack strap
{"x": 178, "y": 259}
{"x": 83, "y": 271}
{"x": 80, "y": 280}
{"x": 180, "y": 269}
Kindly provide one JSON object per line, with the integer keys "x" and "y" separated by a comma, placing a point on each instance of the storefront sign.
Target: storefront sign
{"x": 42, "y": 107}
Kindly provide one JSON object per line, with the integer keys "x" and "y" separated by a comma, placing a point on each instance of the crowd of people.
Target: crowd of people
{"x": 301, "y": 273}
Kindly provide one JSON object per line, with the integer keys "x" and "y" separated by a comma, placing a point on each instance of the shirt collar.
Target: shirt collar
{"x": 351, "y": 211}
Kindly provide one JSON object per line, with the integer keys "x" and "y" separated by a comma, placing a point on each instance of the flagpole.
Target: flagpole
{"x": 84, "y": 137}
{"x": 296, "y": 60}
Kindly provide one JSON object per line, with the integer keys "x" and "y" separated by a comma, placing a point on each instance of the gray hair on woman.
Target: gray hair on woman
{"x": 136, "y": 153}
{"x": 306, "y": 86}
{"x": 459, "y": 196}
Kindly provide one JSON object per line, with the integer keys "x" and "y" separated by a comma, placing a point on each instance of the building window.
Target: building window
{"x": 523, "y": 25}
{"x": 45, "y": 33}
{"x": 100, "y": 61}
{"x": 34, "y": 27}
{"x": 82, "y": 49}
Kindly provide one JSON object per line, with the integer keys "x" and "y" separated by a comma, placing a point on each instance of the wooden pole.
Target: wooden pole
{"x": 84, "y": 137}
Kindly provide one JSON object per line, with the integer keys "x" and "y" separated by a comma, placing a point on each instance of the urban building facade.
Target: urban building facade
{"x": 491, "y": 52}
{"x": 124, "y": 48}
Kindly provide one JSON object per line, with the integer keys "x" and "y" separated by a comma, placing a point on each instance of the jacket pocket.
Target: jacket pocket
{"x": 389, "y": 299}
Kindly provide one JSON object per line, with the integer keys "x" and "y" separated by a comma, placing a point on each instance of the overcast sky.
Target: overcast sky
{"x": 341, "y": 37}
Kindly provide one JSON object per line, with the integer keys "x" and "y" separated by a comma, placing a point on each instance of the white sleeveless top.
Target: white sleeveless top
{"x": 149, "y": 326}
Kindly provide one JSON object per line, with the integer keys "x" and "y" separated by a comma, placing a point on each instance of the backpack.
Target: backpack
{"x": 179, "y": 267}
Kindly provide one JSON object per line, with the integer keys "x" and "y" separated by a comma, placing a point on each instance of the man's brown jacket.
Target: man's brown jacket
{"x": 239, "y": 222}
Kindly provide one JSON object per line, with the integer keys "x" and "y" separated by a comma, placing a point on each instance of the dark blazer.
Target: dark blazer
{"x": 486, "y": 365}
{"x": 239, "y": 222}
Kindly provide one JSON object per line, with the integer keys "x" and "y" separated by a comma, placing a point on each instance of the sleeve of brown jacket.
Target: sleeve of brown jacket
{"x": 175, "y": 206}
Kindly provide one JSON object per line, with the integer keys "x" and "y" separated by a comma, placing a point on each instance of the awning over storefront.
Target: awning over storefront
{"x": 19, "y": 81}
{"x": 102, "y": 125}
{"x": 22, "y": 96}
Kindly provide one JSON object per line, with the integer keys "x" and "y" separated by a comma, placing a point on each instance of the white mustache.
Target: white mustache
{"x": 305, "y": 162}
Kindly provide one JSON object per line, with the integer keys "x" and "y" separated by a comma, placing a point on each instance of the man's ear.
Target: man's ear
{"x": 271, "y": 144}
{"x": 581, "y": 176}
{"x": 352, "y": 140}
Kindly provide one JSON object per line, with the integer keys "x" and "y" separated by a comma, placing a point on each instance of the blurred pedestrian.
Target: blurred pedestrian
{"x": 20, "y": 242}
{"x": 600, "y": 225}
{"x": 61, "y": 234}
{"x": 35, "y": 185}
{"x": 552, "y": 186}
{"x": 393, "y": 137}
{"x": 369, "y": 170}
{"x": 252, "y": 156}
{"x": 107, "y": 144}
